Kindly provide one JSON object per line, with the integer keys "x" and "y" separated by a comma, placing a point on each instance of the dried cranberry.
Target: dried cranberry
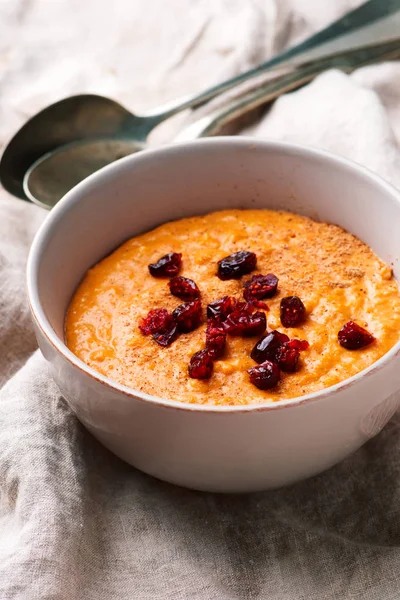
{"x": 287, "y": 358}
{"x": 166, "y": 338}
{"x": 188, "y": 316}
{"x": 184, "y": 288}
{"x": 266, "y": 348}
{"x": 298, "y": 344}
{"x": 259, "y": 287}
{"x": 265, "y": 376}
{"x": 242, "y": 321}
{"x": 201, "y": 365}
{"x": 158, "y": 320}
{"x": 353, "y": 337}
{"x": 166, "y": 266}
{"x": 220, "y": 309}
{"x": 260, "y": 304}
{"x": 237, "y": 264}
{"x": 293, "y": 311}
{"x": 215, "y": 339}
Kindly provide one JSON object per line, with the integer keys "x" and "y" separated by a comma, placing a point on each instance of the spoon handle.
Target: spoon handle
{"x": 345, "y": 61}
{"x": 368, "y": 13}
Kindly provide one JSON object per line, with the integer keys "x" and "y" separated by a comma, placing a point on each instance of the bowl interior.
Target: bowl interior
{"x": 143, "y": 191}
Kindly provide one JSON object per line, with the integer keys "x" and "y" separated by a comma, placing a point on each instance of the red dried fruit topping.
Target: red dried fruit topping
{"x": 266, "y": 348}
{"x": 260, "y": 286}
{"x": 293, "y": 311}
{"x": 160, "y": 324}
{"x": 242, "y": 321}
{"x": 287, "y": 358}
{"x": 298, "y": 344}
{"x": 260, "y": 304}
{"x": 158, "y": 320}
{"x": 188, "y": 316}
{"x": 265, "y": 376}
{"x": 201, "y": 365}
{"x": 220, "y": 309}
{"x": 215, "y": 339}
{"x": 237, "y": 264}
{"x": 277, "y": 347}
{"x": 166, "y": 338}
{"x": 184, "y": 288}
{"x": 354, "y": 337}
{"x": 166, "y": 266}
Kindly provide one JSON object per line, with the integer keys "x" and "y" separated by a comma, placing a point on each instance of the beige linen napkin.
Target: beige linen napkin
{"x": 77, "y": 523}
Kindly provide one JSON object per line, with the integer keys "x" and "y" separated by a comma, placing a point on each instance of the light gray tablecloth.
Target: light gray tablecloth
{"x": 77, "y": 523}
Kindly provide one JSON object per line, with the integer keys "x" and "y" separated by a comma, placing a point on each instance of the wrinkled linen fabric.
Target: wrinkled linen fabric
{"x": 75, "y": 521}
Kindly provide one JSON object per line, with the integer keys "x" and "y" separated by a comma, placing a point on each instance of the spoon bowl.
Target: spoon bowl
{"x": 69, "y": 120}
{"x": 54, "y": 174}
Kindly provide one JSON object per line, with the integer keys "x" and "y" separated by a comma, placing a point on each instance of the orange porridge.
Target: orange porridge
{"x": 335, "y": 277}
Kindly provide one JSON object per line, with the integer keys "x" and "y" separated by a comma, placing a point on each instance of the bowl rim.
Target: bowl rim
{"x": 73, "y": 196}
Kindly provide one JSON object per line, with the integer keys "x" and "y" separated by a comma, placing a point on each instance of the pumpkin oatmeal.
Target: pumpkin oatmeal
{"x": 227, "y": 283}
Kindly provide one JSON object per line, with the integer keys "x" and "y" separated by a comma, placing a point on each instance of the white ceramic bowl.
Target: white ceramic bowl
{"x": 229, "y": 449}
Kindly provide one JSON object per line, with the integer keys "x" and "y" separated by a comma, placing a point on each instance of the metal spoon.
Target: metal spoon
{"x": 347, "y": 61}
{"x": 76, "y": 136}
